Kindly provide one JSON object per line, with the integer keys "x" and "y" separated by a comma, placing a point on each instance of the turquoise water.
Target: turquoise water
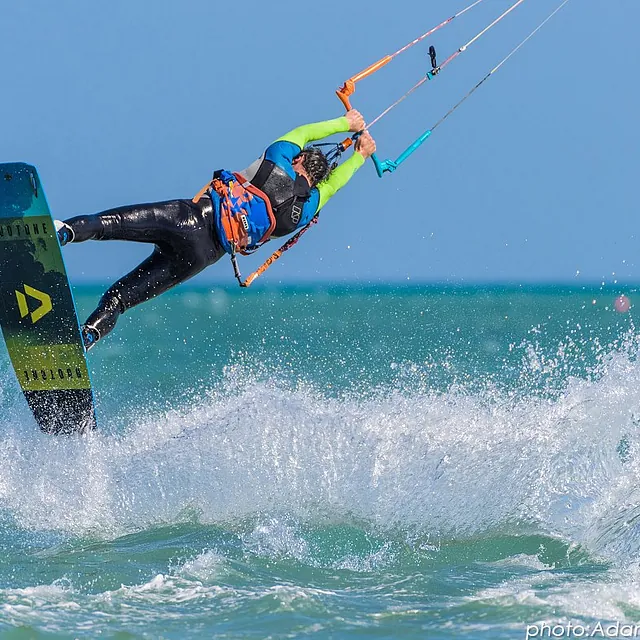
{"x": 334, "y": 462}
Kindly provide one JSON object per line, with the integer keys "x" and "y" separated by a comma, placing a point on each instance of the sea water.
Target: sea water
{"x": 335, "y": 462}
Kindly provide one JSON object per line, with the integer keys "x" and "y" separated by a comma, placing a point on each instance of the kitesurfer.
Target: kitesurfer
{"x": 237, "y": 212}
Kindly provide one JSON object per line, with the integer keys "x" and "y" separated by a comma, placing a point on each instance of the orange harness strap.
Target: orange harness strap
{"x": 202, "y": 192}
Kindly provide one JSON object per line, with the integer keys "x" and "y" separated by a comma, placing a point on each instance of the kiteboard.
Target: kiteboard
{"x": 37, "y": 311}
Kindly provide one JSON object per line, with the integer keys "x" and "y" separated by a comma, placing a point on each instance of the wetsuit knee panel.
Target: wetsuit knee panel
{"x": 112, "y": 301}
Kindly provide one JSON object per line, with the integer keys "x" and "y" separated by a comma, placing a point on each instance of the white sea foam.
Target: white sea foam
{"x": 570, "y": 597}
{"x": 164, "y": 599}
{"x": 454, "y": 464}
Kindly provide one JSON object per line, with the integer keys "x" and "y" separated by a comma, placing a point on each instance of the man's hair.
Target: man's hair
{"x": 316, "y": 165}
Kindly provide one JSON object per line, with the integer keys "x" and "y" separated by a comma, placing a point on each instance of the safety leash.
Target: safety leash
{"x": 272, "y": 258}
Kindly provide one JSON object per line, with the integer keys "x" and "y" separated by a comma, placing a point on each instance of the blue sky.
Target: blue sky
{"x": 532, "y": 179}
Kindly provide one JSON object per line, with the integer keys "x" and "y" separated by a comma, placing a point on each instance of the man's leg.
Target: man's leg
{"x": 185, "y": 244}
{"x": 154, "y": 276}
{"x": 138, "y": 223}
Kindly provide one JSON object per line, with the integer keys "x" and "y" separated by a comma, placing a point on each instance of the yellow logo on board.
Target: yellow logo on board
{"x": 43, "y": 298}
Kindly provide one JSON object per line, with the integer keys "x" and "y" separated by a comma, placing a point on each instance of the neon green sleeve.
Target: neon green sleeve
{"x": 315, "y": 131}
{"x": 338, "y": 178}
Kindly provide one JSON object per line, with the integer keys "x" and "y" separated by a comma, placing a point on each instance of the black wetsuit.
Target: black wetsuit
{"x": 185, "y": 243}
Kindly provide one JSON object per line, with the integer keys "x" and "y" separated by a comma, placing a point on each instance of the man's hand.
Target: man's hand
{"x": 355, "y": 120}
{"x": 366, "y": 145}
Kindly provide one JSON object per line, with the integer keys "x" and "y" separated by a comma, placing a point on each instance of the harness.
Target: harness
{"x": 247, "y": 219}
